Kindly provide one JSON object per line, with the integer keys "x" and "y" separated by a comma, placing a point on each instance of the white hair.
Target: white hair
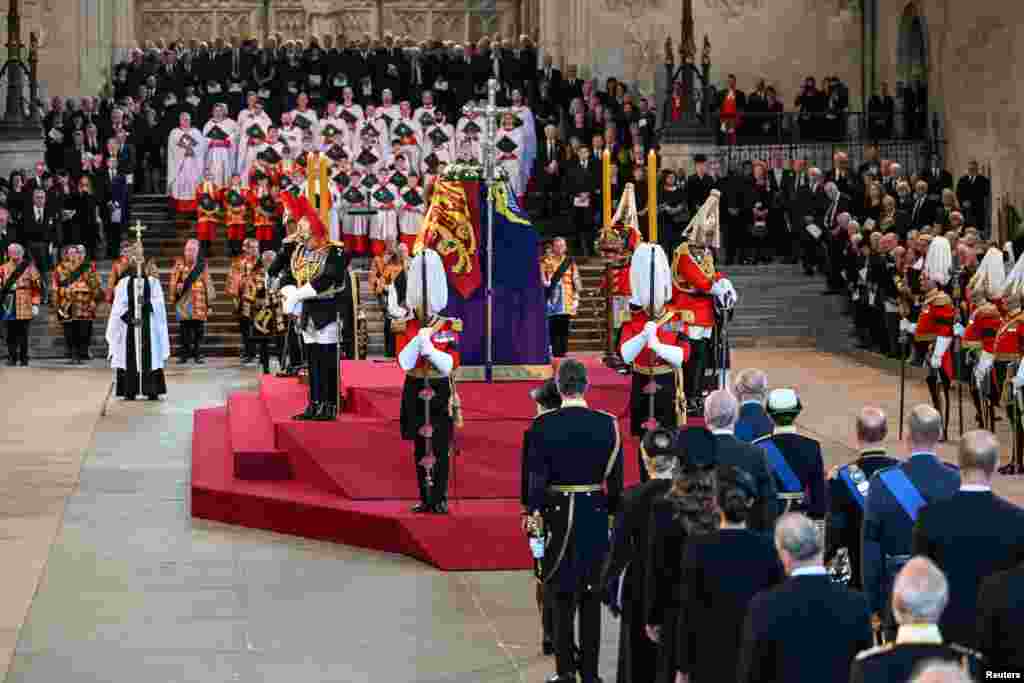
{"x": 920, "y": 592}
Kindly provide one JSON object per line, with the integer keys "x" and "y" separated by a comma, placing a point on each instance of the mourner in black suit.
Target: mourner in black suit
{"x": 574, "y": 461}
{"x": 683, "y": 513}
{"x": 38, "y": 230}
{"x": 751, "y": 390}
{"x": 626, "y": 571}
{"x": 721, "y": 573}
{"x": 919, "y": 596}
{"x": 890, "y": 512}
{"x": 848, "y": 488}
{"x": 582, "y": 184}
{"x": 549, "y": 171}
{"x": 938, "y": 179}
{"x": 1001, "y": 620}
{"x": 922, "y": 207}
{"x": 836, "y": 204}
{"x": 720, "y": 412}
{"x": 795, "y": 459}
{"x": 973, "y": 192}
{"x": 971, "y": 535}
{"x": 808, "y": 628}
{"x": 699, "y": 185}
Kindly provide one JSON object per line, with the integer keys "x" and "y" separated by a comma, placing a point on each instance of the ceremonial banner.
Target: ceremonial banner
{"x": 452, "y": 229}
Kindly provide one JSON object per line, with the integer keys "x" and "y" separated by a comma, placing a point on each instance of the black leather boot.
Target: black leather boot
{"x": 310, "y": 413}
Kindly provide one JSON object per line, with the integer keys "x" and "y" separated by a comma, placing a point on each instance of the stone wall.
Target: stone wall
{"x": 782, "y": 41}
{"x": 975, "y": 81}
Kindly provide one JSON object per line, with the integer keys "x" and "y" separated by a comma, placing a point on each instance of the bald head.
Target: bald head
{"x": 872, "y": 427}
{"x": 751, "y": 385}
{"x": 797, "y": 540}
{"x": 919, "y": 593}
{"x": 979, "y": 450}
{"x": 939, "y": 671}
{"x": 925, "y": 428}
{"x": 720, "y": 410}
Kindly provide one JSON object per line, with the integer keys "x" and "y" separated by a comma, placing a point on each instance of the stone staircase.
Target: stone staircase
{"x": 778, "y": 304}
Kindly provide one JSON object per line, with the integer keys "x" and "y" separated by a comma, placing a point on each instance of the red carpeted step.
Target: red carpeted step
{"x": 256, "y": 456}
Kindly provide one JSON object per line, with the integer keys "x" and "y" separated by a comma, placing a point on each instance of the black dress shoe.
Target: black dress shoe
{"x": 420, "y": 508}
{"x": 153, "y": 397}
{"x": 198, "y": 360}
{"x": 440, "y": 508}
{"x": 11, "y": 362}
{"x": 309, "y": 413}
{"x": 23, "y": 363}
{"x": 86, "y": 355}
{"x": 555, "y": 678}
{"x": 182, "y": 359}
{"x": 328, "y": 412}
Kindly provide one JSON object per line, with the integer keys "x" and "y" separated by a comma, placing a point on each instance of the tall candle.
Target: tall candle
{"x": 606, "y": 187}
{"x": 652, "y": 196}
{"x": 325, "y": 190}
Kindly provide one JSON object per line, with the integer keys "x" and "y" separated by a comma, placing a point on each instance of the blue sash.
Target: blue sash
{"x": 903, "y": 490}
{"x": 787, "y": 478}
{"x": 844, "y": 474}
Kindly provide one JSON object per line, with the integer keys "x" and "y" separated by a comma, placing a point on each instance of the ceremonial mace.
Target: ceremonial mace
{"x": 140, "y": 288}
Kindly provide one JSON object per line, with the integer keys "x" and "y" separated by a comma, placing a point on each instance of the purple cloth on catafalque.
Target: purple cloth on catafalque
{"x": 520, "y": 318}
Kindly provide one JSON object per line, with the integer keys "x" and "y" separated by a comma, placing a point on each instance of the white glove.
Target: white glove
{"x": 426, "y": 346}
{"x": 907, "y": 326}
{"x": 35, "y": 310}
{"x": 291, "y": 303}
{"x": 306, "y": 292}
{"x": 958, "y": 330}
{"x": 724, "y": 292}
{"x": 651, "y": 331}
{"x": 1017, "y": 381}
{"x": 941, "y": 344}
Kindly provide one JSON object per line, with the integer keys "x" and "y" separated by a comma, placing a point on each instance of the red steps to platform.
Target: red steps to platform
{"x": 352, "y": 481}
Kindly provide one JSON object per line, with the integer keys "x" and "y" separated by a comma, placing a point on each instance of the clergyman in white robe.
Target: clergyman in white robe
{"x": 123, "y": 345}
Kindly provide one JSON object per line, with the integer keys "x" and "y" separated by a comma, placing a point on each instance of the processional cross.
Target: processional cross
{"x": 491, "y": 113}
{"x": 137, "y": 303}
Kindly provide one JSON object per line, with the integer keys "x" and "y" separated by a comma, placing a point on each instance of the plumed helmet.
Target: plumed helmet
{"x": 437, "y": 283}
{"x": 640, "y": 276}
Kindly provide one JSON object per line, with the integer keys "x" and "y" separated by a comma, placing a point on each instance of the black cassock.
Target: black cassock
{"x": 152, "y": 381}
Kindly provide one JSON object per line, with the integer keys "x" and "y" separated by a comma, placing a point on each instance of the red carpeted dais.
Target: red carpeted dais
{"x": 352, "y": 481}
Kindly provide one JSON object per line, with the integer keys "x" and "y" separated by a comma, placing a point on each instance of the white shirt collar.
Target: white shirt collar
{"x": 723, "y": 430}
{"x": 919, "y": 633}
{"x": 574, "y": 403}
{"x": 787, "y": 429}
{"x": 818, "y": 570}
{"x": 749, "y": 401}
{"x": 975, "y": 487}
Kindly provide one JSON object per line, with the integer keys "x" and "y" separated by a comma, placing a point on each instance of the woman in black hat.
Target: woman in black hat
{"x": 721, "y": 572}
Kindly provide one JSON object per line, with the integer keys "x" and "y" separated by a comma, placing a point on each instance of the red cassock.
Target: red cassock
{"x": 936, "y": 320}
{"x": 236, "y": 211}
{"x": 691, "y": 290}
{"x": 981, "y": 331}
{"x": 266, "y": 210}
{"x": 208, "y": 199}
{"x": 445, "y": 338}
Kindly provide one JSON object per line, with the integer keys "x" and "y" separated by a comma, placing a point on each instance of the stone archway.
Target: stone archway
{"x": 912, "y": 68}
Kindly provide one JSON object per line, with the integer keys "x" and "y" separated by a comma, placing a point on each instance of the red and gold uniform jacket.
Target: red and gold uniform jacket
{"x": 117, "y": 268}
{"x": 28, "y": 290}
{"x": 671, "y": 331}
{"x": 1009, "y": 342}
{"x": 936, "y": 320}
{"x": 243, "y": 269}
{"x": 75, "y": 299}
{"x": 981, "y": 330}
{"x": 445, "y": 338}
{"x": 193, "y": 305}
{"x": 691, "y": 288}
{"x": 619, "y": 284}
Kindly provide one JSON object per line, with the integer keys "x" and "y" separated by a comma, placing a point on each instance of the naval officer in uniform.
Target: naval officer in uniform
{"x": 575, "y": 468}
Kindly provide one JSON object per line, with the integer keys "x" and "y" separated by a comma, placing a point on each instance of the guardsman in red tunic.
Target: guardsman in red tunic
{"x": 617, "y": 244}
{"x": 236, "y": 200}
{"x": 208, "y": 198}
{"x": 654, "y": 343}
{"x": 428, "y": 352}
{"x": 935, "y": 327}
{"x": 985, "y": 320}
{"x": 1009, "y": 349}
{"x": 697, "y": 288}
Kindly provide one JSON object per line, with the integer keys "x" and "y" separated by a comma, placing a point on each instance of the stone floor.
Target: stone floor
{"x": 108, "y": 579}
